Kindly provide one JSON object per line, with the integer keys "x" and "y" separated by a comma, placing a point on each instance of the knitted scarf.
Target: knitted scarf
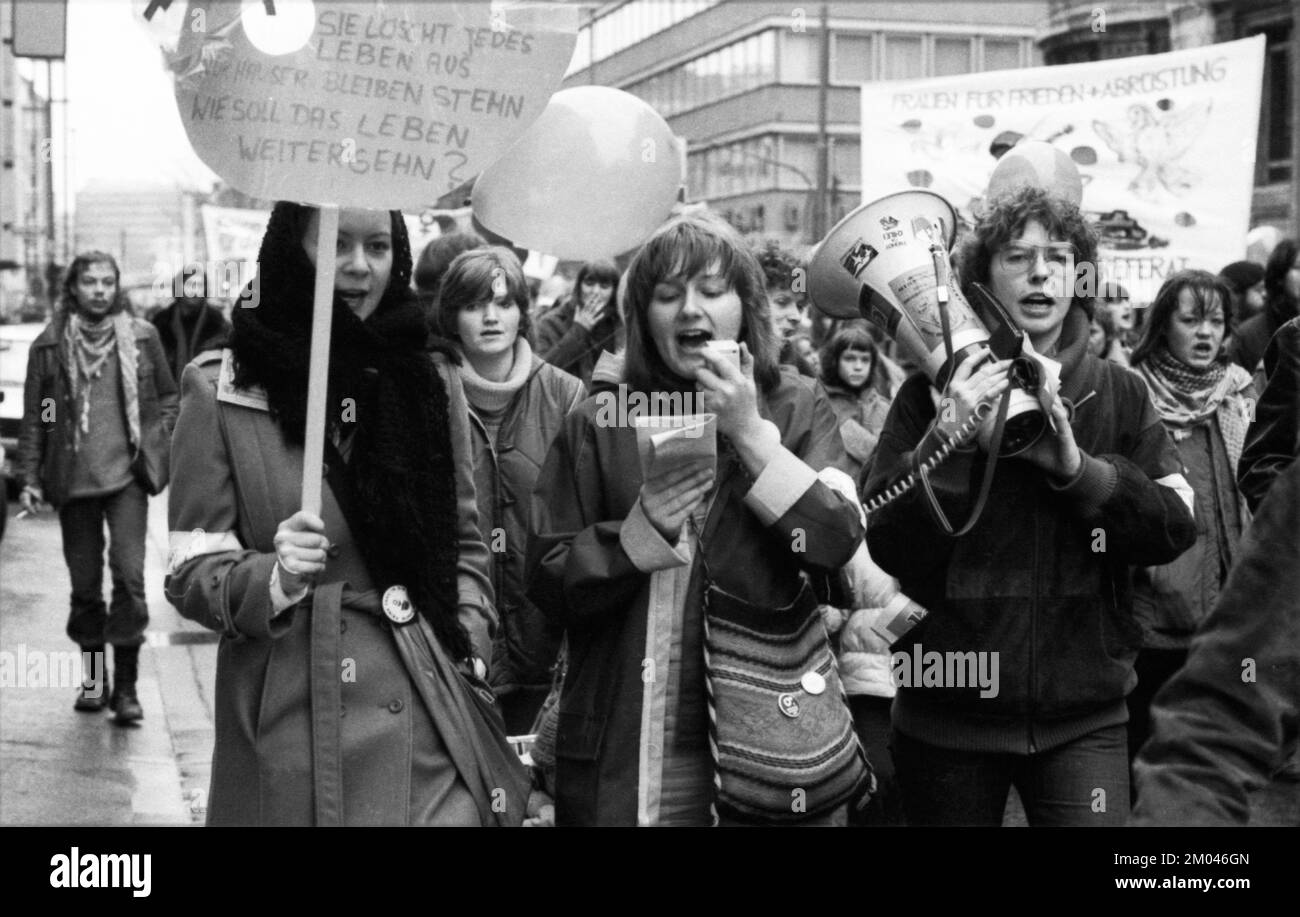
{"x": 494, "y": 397}
{"x": 400, "y": 463}
{"x": 87, "y": 346}
{"x": 1186, "y": 397}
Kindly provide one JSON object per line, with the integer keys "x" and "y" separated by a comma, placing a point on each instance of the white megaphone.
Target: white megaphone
{"x": 887, "y": 261}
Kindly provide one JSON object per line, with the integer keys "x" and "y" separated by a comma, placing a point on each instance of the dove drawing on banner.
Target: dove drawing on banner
{"x": 1154, "y": 140}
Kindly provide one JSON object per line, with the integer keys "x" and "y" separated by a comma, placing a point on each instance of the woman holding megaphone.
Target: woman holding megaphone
{"x": 1037, "y": 597}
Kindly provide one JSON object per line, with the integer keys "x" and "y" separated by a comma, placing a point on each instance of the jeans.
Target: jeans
{"x": 1081, "y": 783}
{"x": 123, "y": 622}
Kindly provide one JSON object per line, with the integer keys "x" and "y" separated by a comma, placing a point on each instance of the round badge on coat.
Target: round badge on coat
{"x": 813, "y": 682}
{"x": 789, "y": 706}
{"x": 397, "y": 605}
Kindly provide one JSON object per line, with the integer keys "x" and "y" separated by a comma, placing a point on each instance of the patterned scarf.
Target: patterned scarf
{"x": 87, "y": 346}
{"x": 1186, "y": 397}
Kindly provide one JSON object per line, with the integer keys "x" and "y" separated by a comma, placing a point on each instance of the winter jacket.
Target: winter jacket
{"x": 205, "y": 330}
{"x": 1231, "y": 716}
{"x": 598, "y": 566}
{"x": 45, "y": 456}
{"x": 566, "y": 345}
{"x": 1171, "y": 600}
{"x": 1042, "y": 580}
{"x": 860, "y": 418}
{"x": 504, "y": 473}
{"x": 1273, "y": 441}
{"x": 317, "y": 718}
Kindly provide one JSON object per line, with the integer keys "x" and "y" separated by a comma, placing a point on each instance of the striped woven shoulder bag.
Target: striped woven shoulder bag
{"x": 780, "y": 730}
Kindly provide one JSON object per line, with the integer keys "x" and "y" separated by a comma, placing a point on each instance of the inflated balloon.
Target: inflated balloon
{"x": 592, "y": 177}
{"x": 1036, "y": 163}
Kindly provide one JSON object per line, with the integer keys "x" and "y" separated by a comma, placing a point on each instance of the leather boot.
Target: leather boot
{"x": 126, "y": 706}
{"x": 92, "y": 697}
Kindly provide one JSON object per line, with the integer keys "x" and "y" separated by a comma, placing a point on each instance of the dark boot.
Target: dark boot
{"x": 126, "y": 706}
{"x": 93, "y": 694}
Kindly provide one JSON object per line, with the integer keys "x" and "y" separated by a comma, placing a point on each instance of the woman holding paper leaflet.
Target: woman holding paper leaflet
{"x": 343, "y": 675}
{"x": 617, "y": 559}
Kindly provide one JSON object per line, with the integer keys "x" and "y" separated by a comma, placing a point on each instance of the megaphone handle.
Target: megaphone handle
{"x": 939, "y": 257}
{"x": 990, "y": 467}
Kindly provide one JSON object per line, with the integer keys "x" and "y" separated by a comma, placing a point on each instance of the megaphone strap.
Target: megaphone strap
{"x": 990, "y": 468}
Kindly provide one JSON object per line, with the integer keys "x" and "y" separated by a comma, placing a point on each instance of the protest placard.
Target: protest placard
{"x": 1165, "y": 145}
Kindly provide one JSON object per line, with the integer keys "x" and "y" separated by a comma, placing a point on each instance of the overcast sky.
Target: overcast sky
{"x": 120, "y": 103}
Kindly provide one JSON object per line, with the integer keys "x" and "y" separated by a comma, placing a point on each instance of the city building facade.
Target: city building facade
{"x": 742, "y": 83}
{"x": 1074, "y": 34}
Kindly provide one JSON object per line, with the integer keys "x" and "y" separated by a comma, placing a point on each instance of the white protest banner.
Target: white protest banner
{"x": 1165, "y": 145}
{"x": 233, "y": 236}
{"x": 377, "y": 105}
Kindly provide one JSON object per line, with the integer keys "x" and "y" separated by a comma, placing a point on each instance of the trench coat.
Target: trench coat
{"x": 318, "y": 719}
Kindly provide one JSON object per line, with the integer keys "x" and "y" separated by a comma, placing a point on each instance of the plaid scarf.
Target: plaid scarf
{"x": 1186, "y": 397}
{"x": 87, "y": 346}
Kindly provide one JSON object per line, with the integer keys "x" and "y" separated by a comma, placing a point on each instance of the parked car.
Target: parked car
{"x": 15, "y": 341}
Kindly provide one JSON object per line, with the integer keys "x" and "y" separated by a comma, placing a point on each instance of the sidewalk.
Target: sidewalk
{"x": 60, "y": 767}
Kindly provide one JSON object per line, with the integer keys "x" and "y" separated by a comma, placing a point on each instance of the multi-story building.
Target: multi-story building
{"x": 25, "y": 220}
{"x": 1134, "y": 28}
{"x": 146, "y": 227}
{"x": 741, "y": 82}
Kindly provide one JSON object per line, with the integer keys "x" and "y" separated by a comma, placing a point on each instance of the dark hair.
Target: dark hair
{"x": 1240, "y": 276}
{"x": 468, "y": 282}
{"x": 438, "y": 256}
{"x": 684, "y": 247}
{"x": 1205, "y": 288}
{"x": 595, "y": 272}
{"x": 1106, "y": 320}
{"x": 780, "y": 268}
{"x": 1279, "y": 263}
{"x": 850, "y": 336}
{"x": 1005, "y": 219}
{"x": 79, "y": 264}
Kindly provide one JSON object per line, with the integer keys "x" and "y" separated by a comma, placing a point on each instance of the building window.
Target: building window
{"x": 952, "y": 56}
{"x": 1273, "y": 159}
{"x": 799, "y": 57}
{"x": 1001, "y": 55}
{"x": 903, "y": 57}
{"x": 630, "y": 23}
{"x": 738, "y": 67}
{"x": 846, "y": 162}
{"x": 798, "y": 153}
{"x": 852, "y": 59}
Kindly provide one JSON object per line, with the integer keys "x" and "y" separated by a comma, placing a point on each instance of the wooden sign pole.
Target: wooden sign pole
{"x": 313, "y": 458}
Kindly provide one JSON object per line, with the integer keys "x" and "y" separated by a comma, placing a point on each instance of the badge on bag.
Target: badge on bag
{"x": 789, "y": 706}
{"x": 397, "y": 605}
{"x": 813, "y": 682}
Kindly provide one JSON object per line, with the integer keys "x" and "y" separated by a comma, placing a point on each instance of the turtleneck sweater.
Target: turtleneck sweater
{"x": 490, "y": 399}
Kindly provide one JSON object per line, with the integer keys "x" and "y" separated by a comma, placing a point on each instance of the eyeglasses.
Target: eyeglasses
{"x": 1020, "y": 257}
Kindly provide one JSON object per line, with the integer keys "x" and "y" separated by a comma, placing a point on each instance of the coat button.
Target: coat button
{"x": 343, "y": 711}
{"x": 343, "y": 627}
{"x": 395, "y": 706}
